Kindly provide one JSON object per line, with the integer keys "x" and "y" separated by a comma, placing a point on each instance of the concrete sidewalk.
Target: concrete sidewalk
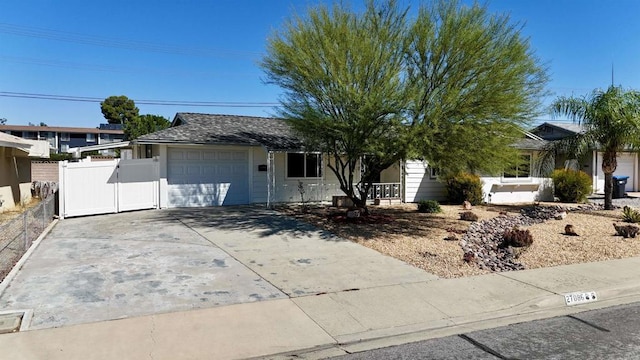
{"x": 322, "y": 325}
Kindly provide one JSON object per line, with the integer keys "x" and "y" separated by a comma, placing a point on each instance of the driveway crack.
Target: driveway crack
{"x": 152, "y": 335}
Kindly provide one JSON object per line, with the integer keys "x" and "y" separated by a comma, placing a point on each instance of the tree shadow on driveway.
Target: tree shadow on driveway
{"x": 248, "y": 219}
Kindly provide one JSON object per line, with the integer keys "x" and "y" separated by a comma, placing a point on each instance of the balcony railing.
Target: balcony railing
{"x": 384, "y": 191}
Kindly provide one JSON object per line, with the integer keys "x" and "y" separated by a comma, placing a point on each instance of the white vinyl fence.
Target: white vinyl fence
{"x": 101, "y": 187}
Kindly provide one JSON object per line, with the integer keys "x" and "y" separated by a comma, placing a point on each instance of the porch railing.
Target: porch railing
{"x": 384, "y": 191}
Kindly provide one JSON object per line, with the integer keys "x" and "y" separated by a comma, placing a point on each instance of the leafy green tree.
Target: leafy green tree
{"x": 3, "y": 121}
{"x": 475, "y": 84}
{"x": 119, "y": 109}
{"x": 454, "y": 87}
{"x": 144, "y": 124}
{"x": 611, "y": 122}
{"x": 345, "y": 92}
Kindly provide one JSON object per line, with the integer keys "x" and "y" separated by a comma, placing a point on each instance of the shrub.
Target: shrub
{"x": 468, "y": 216}
{"x": 630, "y": 215}
{"x": 429, "y": 206}
{"x": 463, "y": 187}
{"x": 517, "y": 238}
{"x": 571, "y": 185}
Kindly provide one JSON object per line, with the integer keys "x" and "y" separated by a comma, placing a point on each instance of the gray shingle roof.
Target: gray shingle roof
{"x": 530, "y": 144}
{"x": 530, "y": 141}
{"x": 272, "y": 133}
{"x": 193, "y": 128}
{"x": 572, "y": 127}
{"x": 567, "y": 126}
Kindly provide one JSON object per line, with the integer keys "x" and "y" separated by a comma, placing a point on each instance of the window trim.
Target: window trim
{"x": 517, "y": 178}
{"x": 286, "y": 171}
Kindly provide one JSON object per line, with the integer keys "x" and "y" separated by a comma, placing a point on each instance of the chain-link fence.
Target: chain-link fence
{"x": 17, "y": 235}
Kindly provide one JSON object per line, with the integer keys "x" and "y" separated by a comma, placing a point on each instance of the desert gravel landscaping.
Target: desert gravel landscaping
{"x": 419, "y": 239}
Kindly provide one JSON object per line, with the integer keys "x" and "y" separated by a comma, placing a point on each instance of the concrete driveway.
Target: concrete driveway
{"x": 296, "y": 257}
{"x": 131, "y": 264}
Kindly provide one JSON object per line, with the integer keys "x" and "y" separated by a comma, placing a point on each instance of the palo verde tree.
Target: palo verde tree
{"x": 453, "y": 86}
{"x": 475, "y": 84}
{"x": 611, "y": 123}
{"x": 119, "y": 109}
{"x": 144, "y": 124}
{"x": 344, "y": 89}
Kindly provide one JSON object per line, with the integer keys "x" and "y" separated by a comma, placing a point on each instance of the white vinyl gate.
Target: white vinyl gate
{"x": 101, "y": 187}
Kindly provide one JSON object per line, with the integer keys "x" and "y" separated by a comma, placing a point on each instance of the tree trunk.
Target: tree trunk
{"x": 609, "y": 165}
{"x": 608, "y": 191}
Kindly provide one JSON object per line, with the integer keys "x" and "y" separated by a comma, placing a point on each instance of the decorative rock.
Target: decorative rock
{"x": 469, "y": 257}
{"x": 626, "y": 231}
{"x": 451, "y": 237}
{"x": 570, "y": 230}
{"x": 352, "y": 214}
{"x": 481, "y": 243}
{"x": 466, "y": 205}
{"x": 560, "y": 215}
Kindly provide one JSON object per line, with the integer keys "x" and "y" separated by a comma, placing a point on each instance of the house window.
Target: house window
{"x": 521, "y": 171}
{"x": 65, "y": 136}
{"x": 304, "y": 165}
{"x": 91, "y": 137}
{"x": 32, "y": 135}
{"x": 64, "y": 148}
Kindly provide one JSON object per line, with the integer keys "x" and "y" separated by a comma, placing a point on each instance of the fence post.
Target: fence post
{"x": 44, "y": 213}
{"x": 26, "y": 235}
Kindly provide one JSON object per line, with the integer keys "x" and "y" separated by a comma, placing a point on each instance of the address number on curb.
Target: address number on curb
{"x": 577, "y": 298}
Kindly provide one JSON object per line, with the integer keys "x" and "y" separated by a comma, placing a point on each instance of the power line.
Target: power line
{"x": 230, "y": 104}
{"x": 50, "y": 34}
{"x": 107, "y": 68}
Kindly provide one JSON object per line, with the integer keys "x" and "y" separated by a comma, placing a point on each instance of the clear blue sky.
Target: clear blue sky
{"x": 192, "y": 50}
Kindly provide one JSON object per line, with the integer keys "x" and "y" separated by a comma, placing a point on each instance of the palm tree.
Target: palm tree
{"x": 611, "y": 123}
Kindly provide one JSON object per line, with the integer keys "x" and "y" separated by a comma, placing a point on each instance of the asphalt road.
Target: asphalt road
{"x": 612, "y": 333}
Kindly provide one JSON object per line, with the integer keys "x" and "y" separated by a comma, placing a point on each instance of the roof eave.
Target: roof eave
{"x": 188, "y": 142}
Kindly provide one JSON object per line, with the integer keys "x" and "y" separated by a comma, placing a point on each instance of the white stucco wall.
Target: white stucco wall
{"x": 285, "y": 190}
{"x": 15, "y": 177}
{"x": 419, "y": 185}
{"x": 497, "y": 190}
{"x": 321, "y": 189}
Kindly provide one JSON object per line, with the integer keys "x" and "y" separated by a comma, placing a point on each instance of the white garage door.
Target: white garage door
{"x": 207, "y": 177}
{"x": 626, "y": 167}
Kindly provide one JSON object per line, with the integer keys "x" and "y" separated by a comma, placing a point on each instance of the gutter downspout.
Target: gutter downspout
{"x": 15, "y": 166}
{"x": 268, "y": 177}
{"x": 271, "y": 179}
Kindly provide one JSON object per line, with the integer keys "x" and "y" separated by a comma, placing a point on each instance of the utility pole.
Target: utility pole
{"x": 612, "y": 84}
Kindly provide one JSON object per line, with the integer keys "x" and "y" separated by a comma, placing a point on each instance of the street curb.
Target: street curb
{"x": 12, "y": 274}
{"x": 455, "y": 326}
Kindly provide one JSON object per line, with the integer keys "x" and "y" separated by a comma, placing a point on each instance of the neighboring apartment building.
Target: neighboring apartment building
{"x": 62, "y": 139}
